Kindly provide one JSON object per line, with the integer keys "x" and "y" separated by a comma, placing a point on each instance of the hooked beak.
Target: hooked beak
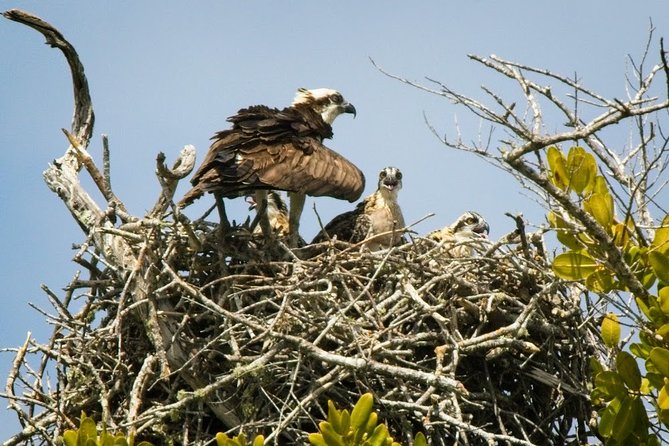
{"x": 349, "y": 108}
{"x": 482, "y": 230}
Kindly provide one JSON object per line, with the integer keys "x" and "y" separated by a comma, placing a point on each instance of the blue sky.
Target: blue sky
{"x": 164, "y": 74}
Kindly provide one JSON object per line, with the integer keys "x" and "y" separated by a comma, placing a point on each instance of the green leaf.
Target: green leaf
{"x": 660, "y": 358}
{"x": 660, "y": 264}
{"x": 611, "y": 385}
{"x": 661, "y": 239}
{"x": 573, "y": 265}
{"x": 600, "y": 186}
{"x": 558, "y": 167}
{"x": 640, "y": 350}
{"x": 70, "y": 437}
{"x": 595, "y": 366}
{"x": 371, "y": 422}
{"x": 600, "y": 206}
{"x": 380, "y": 435}
{"x": 314, "y": 439}
{"x": 663, "y": 398}
{"x": 334, "y": 418}
{"x": 610, "y": 330}
{"x": 663, "y": 299}
{"x": 601, "y": 281}
{"x": 643, "y": 307}
{"x": 345, "y": 421}
{"x": 87, "y": 430}
{"x": 331, "y": 437}
{"x": 362, "y": 410}
{"x": 581, "y": 169}
{"x": 663, "y": 331}
{"x": 622, "y": 234}
{"x": 607, "y": 418}
{"x": 419, "y": 440}
{"x": 628, "y": 370}
{"x": 625, "y": 419}
{"x": 563, "y": 232}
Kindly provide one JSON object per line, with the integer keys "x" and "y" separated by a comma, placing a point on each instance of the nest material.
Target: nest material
{"x": 240, "y": 334}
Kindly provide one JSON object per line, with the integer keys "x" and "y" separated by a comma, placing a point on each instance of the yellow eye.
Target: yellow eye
{"x": 383, "y": 174}
{"x": 399, "y": 175}
{"x": 337, "y": 99}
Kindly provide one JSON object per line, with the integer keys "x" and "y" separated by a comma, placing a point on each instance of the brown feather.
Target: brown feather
{"x": 267, "y": 148}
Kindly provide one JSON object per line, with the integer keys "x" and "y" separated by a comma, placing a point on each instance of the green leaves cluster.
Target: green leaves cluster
{"x": 577, "y": 173}
{"x": 621, "y": 388}
{"x": 623, "y": 418}
{"x": 87, "y": 435}
{"x": 239, "y": 440}
{"x": 358, "y": 428}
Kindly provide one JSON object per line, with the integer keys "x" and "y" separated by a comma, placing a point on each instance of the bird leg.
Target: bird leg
{"x": 296, "y": 205}
{"x": 261, "y": 206}
{"x": 223, "y": 217}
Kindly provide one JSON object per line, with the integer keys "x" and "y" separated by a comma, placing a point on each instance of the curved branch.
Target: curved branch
{"x": 83, "y": 118}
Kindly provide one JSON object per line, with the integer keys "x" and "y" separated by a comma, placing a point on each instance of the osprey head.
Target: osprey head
{"x": 390, "y": 180}
{"x": 471, "y": 224}
{"x": 275, "y": 204}
{"x": 328, "y": 103}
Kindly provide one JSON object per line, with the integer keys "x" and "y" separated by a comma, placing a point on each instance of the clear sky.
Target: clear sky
{"x": 165, "y": 73}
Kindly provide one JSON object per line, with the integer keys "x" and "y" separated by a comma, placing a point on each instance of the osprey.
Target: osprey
{"x": 457, "y": 238}
{"x": 277, "y": 213}
{"x": 267, "y": 148}
{"x": 377, "y": 219}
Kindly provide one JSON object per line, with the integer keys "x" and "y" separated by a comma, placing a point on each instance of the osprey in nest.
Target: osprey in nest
{"x": 267, "y": 148}
{"x": 456, "y": 239}
{"x": 277, "y": 213}
{"x": 377, "y": 220}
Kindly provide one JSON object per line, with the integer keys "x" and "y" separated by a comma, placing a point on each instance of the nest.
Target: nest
{"x": 221, "y": 330}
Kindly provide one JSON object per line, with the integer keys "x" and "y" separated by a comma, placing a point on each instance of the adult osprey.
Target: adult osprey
{"x": 267, "y": 148}
{"x": 456, "y": 239}
{"x": 377, "y": 219}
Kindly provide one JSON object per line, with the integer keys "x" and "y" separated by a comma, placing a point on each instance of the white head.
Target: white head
{"x": 328, "y": 103}
{"x": 390, "y": 181}
{"x": 470, "y": 225}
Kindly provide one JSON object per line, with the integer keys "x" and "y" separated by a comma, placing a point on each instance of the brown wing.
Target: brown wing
{"x": 276, "y": 149}
{"x": 352, "y": 226}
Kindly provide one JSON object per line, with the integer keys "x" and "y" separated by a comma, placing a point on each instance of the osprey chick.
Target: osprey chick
{"x": 277, "y": 213}
{"x": 267, "y": 148}
{"x": 457, "y": 238}
{"x": 377, "y": 218}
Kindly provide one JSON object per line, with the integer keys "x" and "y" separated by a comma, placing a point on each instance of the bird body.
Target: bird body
{"x": 457, "y": 238}
{"x": 377, "y": 219}
{"x": 268, "y": 148}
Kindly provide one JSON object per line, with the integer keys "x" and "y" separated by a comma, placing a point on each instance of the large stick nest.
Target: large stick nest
{"x": 231, "y": 332}
{"x": 182, "y": 329}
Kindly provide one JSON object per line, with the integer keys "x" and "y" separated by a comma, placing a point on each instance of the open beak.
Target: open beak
{"x": 483, "y": 230}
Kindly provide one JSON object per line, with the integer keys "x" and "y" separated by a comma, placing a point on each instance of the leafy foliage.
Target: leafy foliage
{"x": 621, "y": 388}
{"x": 240, "y": 440}
{"x": 87, "y": 435}
{"x": 358, "y": 428}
